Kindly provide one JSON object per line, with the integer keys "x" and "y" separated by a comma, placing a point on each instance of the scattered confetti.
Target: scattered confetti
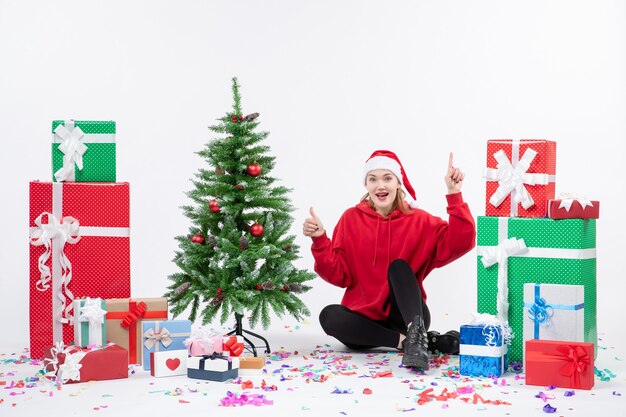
{"x": 617, "y": 394}
{"x": 549, "y": 409}
{"x": 569, "y": 393}
{"x": 368, "y": 391}
{"x": 234, "y": 400}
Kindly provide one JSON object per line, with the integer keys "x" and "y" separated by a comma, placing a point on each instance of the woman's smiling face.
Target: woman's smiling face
{"x": 382, "y": 187}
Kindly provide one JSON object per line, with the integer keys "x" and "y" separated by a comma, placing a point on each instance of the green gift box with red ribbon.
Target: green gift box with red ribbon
{"x": 124, "y": 320}
{"x": 516, "y": 251}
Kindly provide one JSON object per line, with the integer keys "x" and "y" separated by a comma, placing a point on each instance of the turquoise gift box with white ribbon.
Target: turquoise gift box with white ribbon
{"x": 90, "y": 327}
{"x": 554, "y": 312}
{"x": 165, "y": 335}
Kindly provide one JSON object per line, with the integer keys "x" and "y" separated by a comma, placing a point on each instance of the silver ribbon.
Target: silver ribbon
{"x": 73, "y": 149}
{"x": 93, "y": 313}
{"x": 160, "y": 336}
{"x": 568, "y": 199}
{"x": 512, "y": 179}
{"x": 60, "y": 232}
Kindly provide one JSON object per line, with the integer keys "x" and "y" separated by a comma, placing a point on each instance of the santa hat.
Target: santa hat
{"x": 388, "y": 160}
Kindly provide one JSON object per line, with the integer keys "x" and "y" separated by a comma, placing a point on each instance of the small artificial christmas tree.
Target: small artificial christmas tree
{"x": 238, "y": 256}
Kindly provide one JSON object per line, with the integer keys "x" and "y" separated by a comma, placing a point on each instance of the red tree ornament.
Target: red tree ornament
{"x": 234, "y": 119}
{"x": 254, "y": 170}
{"x": 198, "y": 238}
{"x": 259, "y": 287}
{"x": 256, "y": 230}
{"x": 214, "y": 206}
{"x": 239, "y": 187}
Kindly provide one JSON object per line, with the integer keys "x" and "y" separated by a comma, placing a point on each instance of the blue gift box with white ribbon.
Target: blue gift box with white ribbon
{"x": 482, "y": 351}
{"x": 165, "y": 335}
{"x": 554, "y": 312}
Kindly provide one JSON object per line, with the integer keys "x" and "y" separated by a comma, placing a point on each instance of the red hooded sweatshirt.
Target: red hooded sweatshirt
{"x": 365, "y": 243}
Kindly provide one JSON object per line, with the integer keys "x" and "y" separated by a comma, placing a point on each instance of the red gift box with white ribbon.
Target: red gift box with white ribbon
{"x": 520, "y": 177}
{"x": 79, "y": 247}
{"x": 569, "y": 206}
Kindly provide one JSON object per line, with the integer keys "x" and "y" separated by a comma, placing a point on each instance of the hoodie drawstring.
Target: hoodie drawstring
{"x": 388, "y": 242}
{"x": 376, "y": 242}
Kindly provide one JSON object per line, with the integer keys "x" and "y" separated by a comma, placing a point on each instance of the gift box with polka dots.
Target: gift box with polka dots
{"x": 556, "y": 252}
{"x": 520, "y": 177}
{"x": 79, "y": 247}
{"x": 83, "y": 151}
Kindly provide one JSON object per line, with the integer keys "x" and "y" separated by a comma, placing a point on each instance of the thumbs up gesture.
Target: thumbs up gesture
{"x": 312, "y": 226}
{"x": 454, "y": 177}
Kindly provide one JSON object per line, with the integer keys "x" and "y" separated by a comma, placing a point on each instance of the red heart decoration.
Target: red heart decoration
{"x": 172, "y": 364}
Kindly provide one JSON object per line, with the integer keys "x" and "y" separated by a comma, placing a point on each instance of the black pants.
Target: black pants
{"x": 359, "y": 332}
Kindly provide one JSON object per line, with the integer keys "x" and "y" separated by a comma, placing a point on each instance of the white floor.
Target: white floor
{"x": 314, "y": 376}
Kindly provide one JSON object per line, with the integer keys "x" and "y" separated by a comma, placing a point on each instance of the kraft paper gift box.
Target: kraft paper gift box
{"x": 559, "y": 363}
{"x": 163, "y": 336}
{"x": 90, "y": 322}
{"x": 75, "y": 364}
{"x": 213, "y": 367}
{"x": 124, "y": 322}
{"x": 168, "y": 363}
{"x": 516, "y": 251}
{"x": 251, "y": 365}
{"x": 83, "y": 151}
{"x": 572, "y": 207}
{"x": 79, "y": 247}
{"x": 482, "y": 351}
{"x": 520, "y": 177}
{"x": 554, "y": 312}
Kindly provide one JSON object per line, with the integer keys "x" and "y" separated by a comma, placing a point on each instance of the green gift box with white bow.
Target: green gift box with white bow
{"x": 516, "y": 251}
{"x": 83, "y": 151}
{"x": 90, "y": 327}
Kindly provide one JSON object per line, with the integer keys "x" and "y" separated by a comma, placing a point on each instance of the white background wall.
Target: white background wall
{"x": 333, "y": 81}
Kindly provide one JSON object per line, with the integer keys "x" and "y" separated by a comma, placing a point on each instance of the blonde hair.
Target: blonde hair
{"x": 398, "y": 202}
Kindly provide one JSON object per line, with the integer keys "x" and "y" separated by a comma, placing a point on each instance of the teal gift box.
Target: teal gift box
{"x": 90, "y": 328}
{"x": 83, "y": 151}
{"x": 516, "y": 251}
{"x": 166, "y": 335}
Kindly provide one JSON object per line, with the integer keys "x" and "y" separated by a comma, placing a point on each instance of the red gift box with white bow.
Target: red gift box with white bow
{"x": 520, "y": 177}
{"x": 573, "y": 207}
{"x": 559, "y": 363}
{"x": 79, "y": 247}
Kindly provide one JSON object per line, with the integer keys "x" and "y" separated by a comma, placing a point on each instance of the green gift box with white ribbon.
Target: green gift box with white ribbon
{"x": 516, "y": 251}
{"x": 83, "y": 151}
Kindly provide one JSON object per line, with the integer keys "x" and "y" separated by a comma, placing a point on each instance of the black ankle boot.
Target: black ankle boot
{"x": 447, "y": 343}
{"x": 415, "y": 346}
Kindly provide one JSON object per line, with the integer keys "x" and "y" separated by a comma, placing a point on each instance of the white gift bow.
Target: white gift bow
{"x": 512, "y": 180}
{"x": 64, "y": 231}
{"x": 568, "y": 199}
{"x": 73, "y": 149}
{"x": 93, "y": 313}
{"x": 153, "y": 338}
{"x": 70, "y": 369}
{"x": 492, "y": 327}
{"x": 500, "y": 255}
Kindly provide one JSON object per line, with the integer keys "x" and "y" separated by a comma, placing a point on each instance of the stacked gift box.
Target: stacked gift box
{"x": 531, "y": 242}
